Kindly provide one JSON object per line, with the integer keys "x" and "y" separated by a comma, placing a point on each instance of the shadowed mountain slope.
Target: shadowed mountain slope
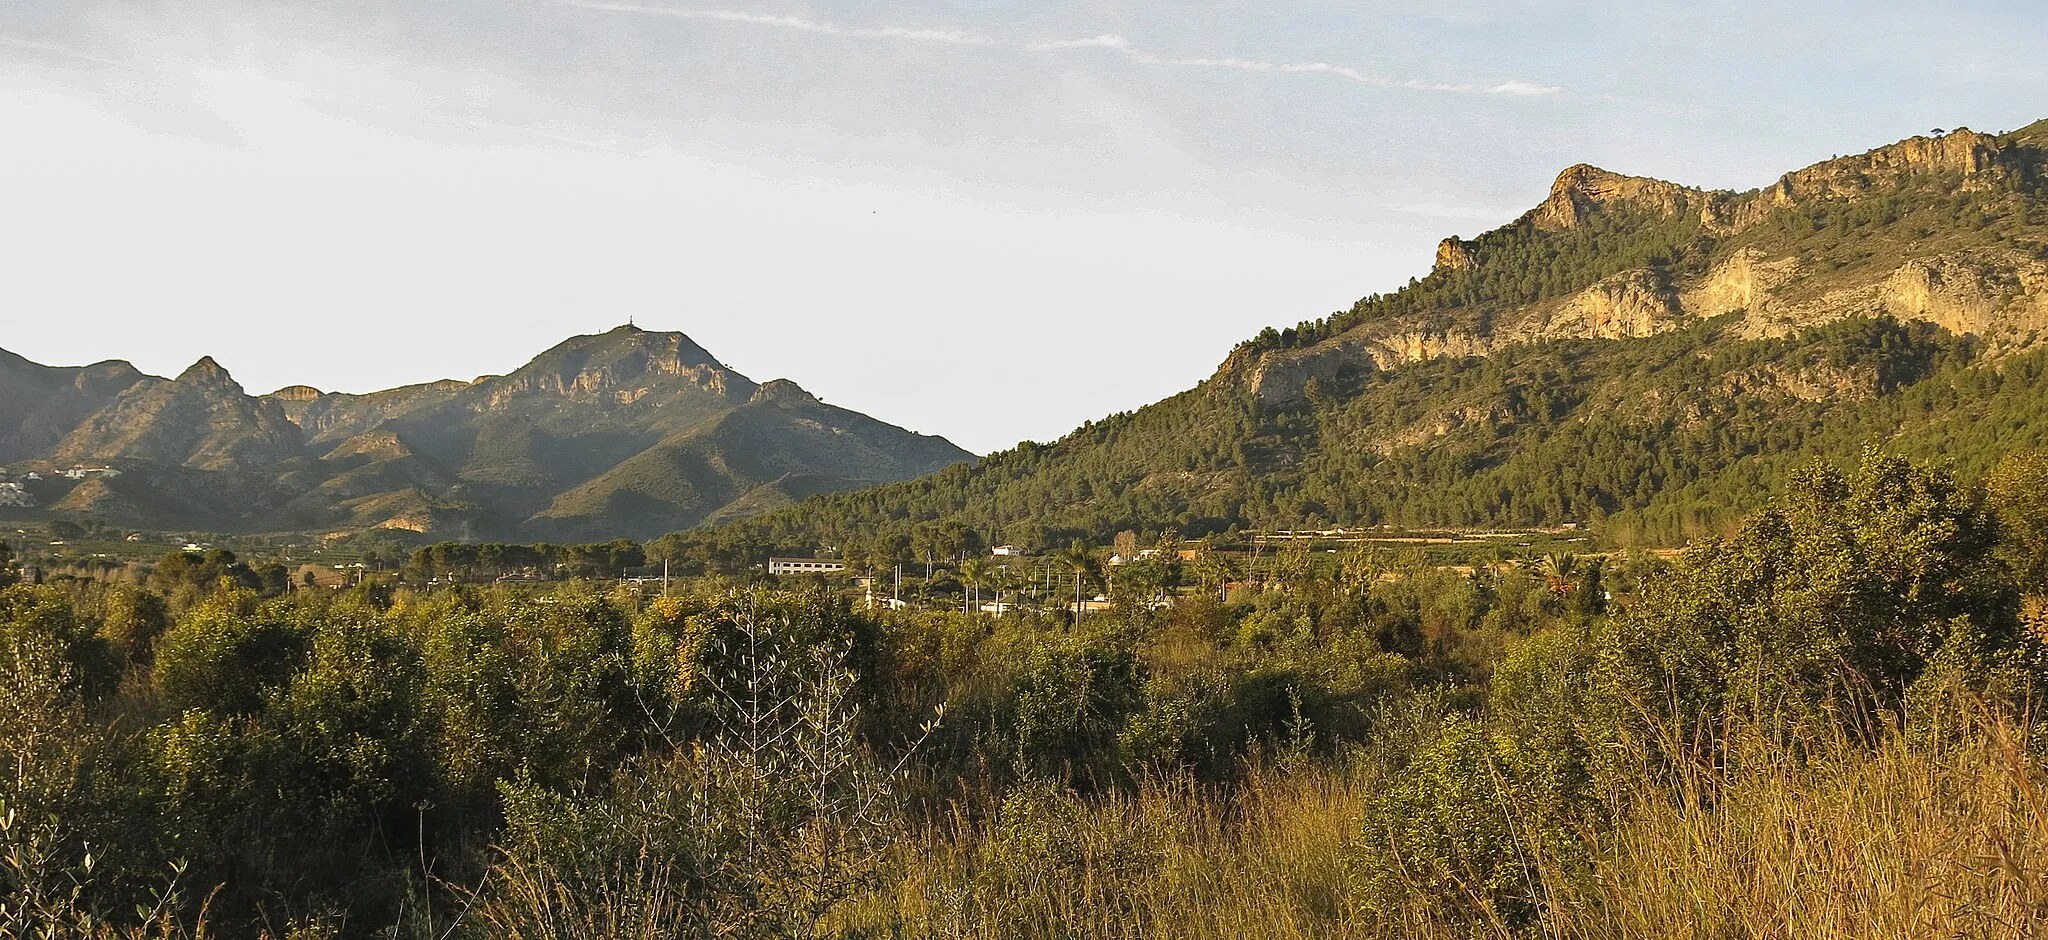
{"x": 43, "y": 404}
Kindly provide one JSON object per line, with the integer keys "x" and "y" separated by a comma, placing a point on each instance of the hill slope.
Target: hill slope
{"x": 1632, "y": 352}
{"x": 586, "y": 440}
{"x": 781, "y": 445}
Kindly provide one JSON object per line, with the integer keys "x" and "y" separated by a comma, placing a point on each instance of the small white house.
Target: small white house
{"x": 1006, "y": 551}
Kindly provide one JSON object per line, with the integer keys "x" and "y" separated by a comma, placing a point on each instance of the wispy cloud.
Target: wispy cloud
{"x": 1442, "y": 211}
{"x": 794, "y": 23}
{"x": 51, "y": 48}
{"x": 1136, "y": 54}
{"x": 1106, "y": 41}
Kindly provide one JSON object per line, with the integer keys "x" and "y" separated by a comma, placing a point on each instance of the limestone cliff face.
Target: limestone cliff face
{"x": 1959, "y": 294}
{"x": 1633, "y": 304}
{"x": 1744, "y": 281}
{"x": 1283, "y": 375}
{"x": 2000, "y": 296}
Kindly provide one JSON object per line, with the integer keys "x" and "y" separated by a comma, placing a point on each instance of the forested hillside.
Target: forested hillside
{"x": 1632, "y": 353}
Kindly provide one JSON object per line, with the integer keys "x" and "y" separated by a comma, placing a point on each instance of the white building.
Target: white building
{"x": 805, "y": 565}
{"x": 12, "y": 494}
{"x": 1006, "y": 551}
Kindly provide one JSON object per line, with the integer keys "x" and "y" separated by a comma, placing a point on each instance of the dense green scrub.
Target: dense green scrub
{"x": 733, "y": 762}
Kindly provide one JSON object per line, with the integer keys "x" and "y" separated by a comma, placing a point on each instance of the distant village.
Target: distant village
{"x": 14, "y": 489}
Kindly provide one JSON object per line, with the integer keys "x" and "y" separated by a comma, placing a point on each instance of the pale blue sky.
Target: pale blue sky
{"x": 989, "y": 220}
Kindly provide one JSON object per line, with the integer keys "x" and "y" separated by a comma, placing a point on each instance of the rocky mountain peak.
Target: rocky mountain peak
{"x": 208, "y": 372}
{"x": 783, "y": 390}
{"x": 1583, "y": 189}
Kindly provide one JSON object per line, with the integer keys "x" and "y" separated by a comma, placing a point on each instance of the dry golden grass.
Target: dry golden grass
{"x": 1906, "y": 842}
{"x": 1901, "y": 842}
{"x": 1170, "y": 860}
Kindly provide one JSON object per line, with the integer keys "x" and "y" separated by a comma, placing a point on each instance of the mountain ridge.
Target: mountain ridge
{"x": 493, "y": 456}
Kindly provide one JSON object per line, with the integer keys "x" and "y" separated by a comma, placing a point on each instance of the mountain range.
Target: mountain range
{"x": 626, "y": 433}
{"x": 1644, "y": 356}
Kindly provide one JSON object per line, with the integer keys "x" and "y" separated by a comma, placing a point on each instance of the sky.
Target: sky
{"x": 987, "y": 219}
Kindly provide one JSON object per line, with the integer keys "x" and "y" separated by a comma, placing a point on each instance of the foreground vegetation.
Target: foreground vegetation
{"x": 1821, "y": 725}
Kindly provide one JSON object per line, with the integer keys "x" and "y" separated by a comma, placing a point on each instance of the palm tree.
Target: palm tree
{"x": 1082, "y": 561}
{"x": 973, "y": 571}
{"x": 1557, "y": 570}
{"x": 1218, "y": 570}
{"x": 1003, "y": 578}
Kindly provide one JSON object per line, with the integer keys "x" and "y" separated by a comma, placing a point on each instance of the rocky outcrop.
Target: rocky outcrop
{"x": 1453, "y": 255}
{"x": 1632, "y": 304}
{"x": 783, "y": 390}
{"x": 296, "y": 394}
{"x": 1811, "y": 382}
{"x": 1977, "y": 158}
{"x": 1629, "y": 305}
{"x": 1443, "y": 423}
{"x": 626, "y": 366}
{"x": 1745, "y": 281}
{"x": 1963, "y": 152}
{"x": 2000, "y": 296}
{"x": 1584, "y": 189}
{"x": 375, "y": 445}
